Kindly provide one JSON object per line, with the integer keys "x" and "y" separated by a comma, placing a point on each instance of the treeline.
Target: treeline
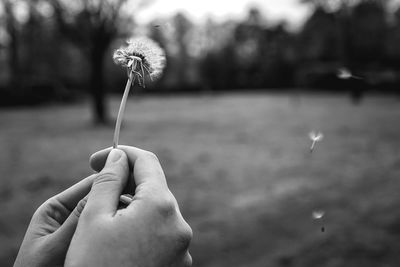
{"x": 58, "y": 49}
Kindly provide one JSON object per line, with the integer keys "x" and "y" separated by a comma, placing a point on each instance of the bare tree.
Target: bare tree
{"x": 92, "y": 25}
{"x": 11, "y": 26}
{"x": 331, "y": 4}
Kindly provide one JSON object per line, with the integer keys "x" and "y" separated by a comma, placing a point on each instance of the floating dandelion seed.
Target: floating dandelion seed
{"x": 318, "y": 214}
{"x": 142, "y": 57}
{"x": 345, "y": 74}
{"x": 315, "y": 137}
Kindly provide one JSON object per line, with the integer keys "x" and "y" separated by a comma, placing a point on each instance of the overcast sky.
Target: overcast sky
{"x": 274, "y": 10}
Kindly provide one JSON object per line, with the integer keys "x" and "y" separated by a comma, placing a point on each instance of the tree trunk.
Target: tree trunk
{"x": 13, "y": 60}
{"x": 97, "y": 91}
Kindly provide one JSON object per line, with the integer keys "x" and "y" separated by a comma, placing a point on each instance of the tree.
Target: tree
{"x": 11, "y": 26}
{"x": 368, "y": 33}
{"x": 92, "y": 25}
{"x": 360, "y": 27}
{"x": 319, "y": 39}
{"x": 182, "y": 26}
{"x": 331, "y": 5}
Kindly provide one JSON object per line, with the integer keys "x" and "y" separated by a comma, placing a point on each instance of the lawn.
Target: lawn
{"x": 240, "y": 168}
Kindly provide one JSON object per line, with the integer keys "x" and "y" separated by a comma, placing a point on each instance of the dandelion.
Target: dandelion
{"x": 318, "y": 214}
{"x": 345, "y": 74}
{"x": 141, "y": 57}
{"x": 315, "y": 137}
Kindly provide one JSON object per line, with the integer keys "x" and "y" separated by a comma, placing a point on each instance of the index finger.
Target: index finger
{"x": 70, "y": 197}
{"x": 146, "y": 166}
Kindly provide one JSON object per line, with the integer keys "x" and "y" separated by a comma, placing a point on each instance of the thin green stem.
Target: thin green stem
{"x": 122, "y": 108}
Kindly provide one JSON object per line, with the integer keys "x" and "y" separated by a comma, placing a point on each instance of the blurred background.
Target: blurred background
{"x": 245, "y": 84}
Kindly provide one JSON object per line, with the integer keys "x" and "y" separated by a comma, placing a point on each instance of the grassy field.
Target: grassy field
{"x": 240, "y": 168}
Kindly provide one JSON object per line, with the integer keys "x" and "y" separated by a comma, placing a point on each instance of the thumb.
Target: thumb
{"x": 108, "y": 185}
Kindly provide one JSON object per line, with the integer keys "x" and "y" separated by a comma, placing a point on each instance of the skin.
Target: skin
{"x": 52, "y": 226}
{"x": 73, "y": 230}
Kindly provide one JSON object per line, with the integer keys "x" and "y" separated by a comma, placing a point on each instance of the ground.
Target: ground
{"x": 240, "y": 168}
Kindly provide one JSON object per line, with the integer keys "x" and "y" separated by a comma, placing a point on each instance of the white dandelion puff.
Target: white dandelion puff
{"x": 318, "y": 214}
{"x": 141, "y": 57}
{"x": 345, "y": 74}
{"x": 315, "y": 137}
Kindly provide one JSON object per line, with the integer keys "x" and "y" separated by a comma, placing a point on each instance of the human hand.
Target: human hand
{"x": 150, "y": 231}
{"x": 52, "y": 226}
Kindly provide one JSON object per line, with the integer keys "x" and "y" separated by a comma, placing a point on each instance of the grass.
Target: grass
{"x": 240, "y": 168}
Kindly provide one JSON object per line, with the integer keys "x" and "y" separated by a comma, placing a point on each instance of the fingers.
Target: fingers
{"x": 67, "y": 229}
{"x": 62, "y": 208}
{"x": 146, "y": 166}
{"x": 108, "y": 185}
{"x": 98, "y": 159}
{"x": 71, "y": 196}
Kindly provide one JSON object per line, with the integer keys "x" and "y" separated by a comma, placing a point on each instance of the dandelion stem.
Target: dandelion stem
{"x": 122, "y": 108}
{"x": 312, "y": 146}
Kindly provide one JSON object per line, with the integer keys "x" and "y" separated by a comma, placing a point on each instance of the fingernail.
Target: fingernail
{"x": 114, "y": 155}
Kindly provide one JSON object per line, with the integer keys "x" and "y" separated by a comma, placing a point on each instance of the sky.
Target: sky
{"x": 198, "y": 10}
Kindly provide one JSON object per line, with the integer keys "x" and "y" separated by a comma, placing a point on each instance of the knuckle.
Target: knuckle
{"x": 105, "y": 177}
{"x": 80, "y": 206}
{"x": 166, "y": 205}
{"x": 184, "y": 235}
{"x": 49, "y": 205}
{"x": 187, "y": 260}
{"x": 42, "y": 208}
{"x": 52, "y": 208}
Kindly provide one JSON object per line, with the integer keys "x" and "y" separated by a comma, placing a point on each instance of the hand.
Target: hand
{"x": 148, "y": 232}
{"x": 52, "y": 226}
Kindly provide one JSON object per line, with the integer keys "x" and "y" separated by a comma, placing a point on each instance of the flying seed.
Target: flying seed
{"x": 318, "y": 214}
{"x": 345, "y": 74}
{"x": 315, "y": 137}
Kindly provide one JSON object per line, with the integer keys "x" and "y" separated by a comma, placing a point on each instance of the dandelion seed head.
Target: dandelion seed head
{"x": 142, "y": 55}
{"x": 318, "y": 214}
{"x": 344, "y": 74}
{"x": 316, "y": 136}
